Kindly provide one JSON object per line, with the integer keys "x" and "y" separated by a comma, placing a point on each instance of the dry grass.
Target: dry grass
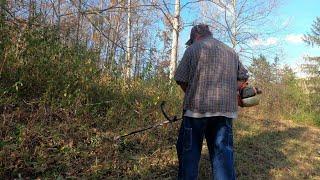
{"x": 276, "y": 149}
{"x": 34, "y": 145}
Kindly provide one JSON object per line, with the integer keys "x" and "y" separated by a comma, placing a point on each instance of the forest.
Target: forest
{"x": 75, "y": 74}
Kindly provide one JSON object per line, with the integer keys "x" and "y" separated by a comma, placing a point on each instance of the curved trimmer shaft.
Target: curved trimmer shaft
{"x": 169, "y": 120}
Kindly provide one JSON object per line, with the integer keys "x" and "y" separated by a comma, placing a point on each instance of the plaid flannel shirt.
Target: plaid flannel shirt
{"x": 211, "y": 70}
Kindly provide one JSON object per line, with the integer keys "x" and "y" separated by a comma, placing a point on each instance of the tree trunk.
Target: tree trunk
{"x": 175, "y": 38}
{"x": 234, "y": 25}
{"x": 137, "y": 59}
{"x": 78, "y": 22}
{"x": 128, "y": 53}
{"x": 100, "y": 46}
{"x": 32, "y": 12}
{"x": 59, "y": 18}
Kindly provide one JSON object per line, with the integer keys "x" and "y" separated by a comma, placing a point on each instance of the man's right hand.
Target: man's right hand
{"x": 242, "y": 84}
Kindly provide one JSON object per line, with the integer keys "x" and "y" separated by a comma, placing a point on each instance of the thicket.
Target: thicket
{"x": 284, "y": 94}
{"x": 56, "y": 101}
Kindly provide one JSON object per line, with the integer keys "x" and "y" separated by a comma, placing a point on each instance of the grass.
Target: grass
{"x": 276, "y": 149}
{"x": 71, "y": 147}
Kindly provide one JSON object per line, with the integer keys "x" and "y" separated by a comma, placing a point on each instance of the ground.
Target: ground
{"x": 264, "y": 149}
{"x": 69, "y": 147}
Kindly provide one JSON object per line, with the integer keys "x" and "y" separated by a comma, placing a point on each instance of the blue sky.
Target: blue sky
{"x": 298, "y": 15}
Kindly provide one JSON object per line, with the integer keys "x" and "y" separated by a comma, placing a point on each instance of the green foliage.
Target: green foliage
{"x": 39, "y": 67}
{"x": 283, "y": 95}
{"x": 261, "y": 70}
{"x": 312, "y": 68}
{"x": 313, "y": 38}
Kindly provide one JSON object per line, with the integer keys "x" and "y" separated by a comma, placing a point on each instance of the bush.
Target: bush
{"x": 40, "y": 67}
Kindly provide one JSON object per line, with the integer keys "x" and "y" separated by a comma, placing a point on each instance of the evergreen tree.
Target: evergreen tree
{"x": 312, "y": 66}
{"x": 313, "y": 38}
{"x": 262, "y": 71}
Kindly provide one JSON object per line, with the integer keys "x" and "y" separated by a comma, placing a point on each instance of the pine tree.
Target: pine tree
{"x": 313, "y": 38}
{"x": 312, "y": 66}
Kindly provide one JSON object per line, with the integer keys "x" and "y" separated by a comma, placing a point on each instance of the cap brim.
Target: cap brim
{"x": 189, "y": 42}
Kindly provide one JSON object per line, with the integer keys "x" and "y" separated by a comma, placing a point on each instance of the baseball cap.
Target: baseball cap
{"x": 200, "y": 29}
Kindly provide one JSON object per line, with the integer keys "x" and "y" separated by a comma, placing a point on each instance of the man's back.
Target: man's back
{"x": 211, "y": 69}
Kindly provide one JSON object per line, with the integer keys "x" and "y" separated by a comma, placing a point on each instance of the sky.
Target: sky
{"x": 300, "y": 15}
{"x": 297, "y": 16}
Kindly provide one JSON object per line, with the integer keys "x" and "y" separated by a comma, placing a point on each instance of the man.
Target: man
{"x": 208, "y": 74}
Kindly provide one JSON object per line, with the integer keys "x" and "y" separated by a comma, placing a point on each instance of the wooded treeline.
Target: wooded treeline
{"x": 124, "y": 35}
{"x": 134, "y": 38}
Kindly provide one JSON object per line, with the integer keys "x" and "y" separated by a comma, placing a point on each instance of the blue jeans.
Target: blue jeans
{"x": 218, "y": 133}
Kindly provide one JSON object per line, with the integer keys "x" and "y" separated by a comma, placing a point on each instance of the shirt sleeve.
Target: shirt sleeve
{"x": 242, "y": 71}
{"x": 183, "y": 71}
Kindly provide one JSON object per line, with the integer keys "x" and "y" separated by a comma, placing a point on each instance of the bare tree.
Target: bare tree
{"x": 175, "y": 37}
{"x": 240, "y": 22}
{"x": 176, "y": 24}
{"x": 128, "y": 53}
